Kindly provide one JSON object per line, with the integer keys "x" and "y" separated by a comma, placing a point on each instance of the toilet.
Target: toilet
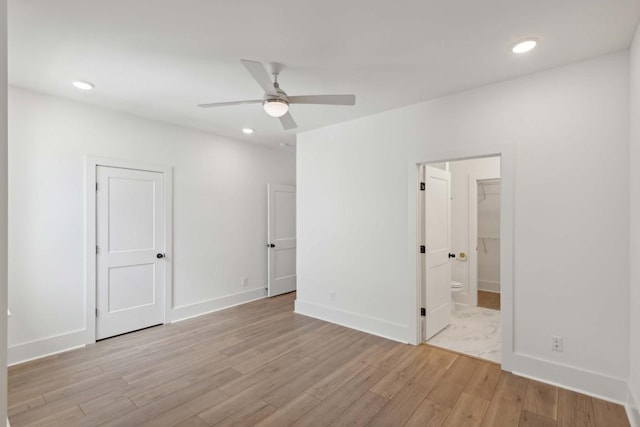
{"x": 455, "y": 287}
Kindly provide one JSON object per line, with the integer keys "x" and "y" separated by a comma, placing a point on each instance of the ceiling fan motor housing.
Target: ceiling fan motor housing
{"x": 278, "y": 95}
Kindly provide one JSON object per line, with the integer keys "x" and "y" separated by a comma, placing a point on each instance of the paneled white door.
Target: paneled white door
{"x": 437, "y": 238}
{"x": 282, "y": 239}
{"x": 130, "y": 253}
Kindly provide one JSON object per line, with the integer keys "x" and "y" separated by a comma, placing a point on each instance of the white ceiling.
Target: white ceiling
{"x": 159, "y": 58}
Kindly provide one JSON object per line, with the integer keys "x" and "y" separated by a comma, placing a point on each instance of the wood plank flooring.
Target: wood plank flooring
{"x": 489, "y": 300}
{"x": 261, "y": 364}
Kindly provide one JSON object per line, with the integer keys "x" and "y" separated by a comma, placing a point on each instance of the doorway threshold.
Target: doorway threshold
{"x": 474, "y": 331}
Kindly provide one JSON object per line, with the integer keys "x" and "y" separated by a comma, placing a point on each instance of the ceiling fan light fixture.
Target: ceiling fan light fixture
{"x": 275, "y": 107}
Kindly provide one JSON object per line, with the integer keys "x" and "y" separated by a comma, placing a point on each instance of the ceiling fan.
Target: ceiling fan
{"x": 276, "y": 101}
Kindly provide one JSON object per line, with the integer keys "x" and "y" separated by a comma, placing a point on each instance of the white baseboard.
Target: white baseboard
{"x": 488, "y": 286}
{"x": 633, "y": 409}
{"x": 198, "y": 309}
{"x": 580, "y": 380}
{"x": 591, "y": 383}
{"x": 370, "y": 325}
{"x": 36, "y": 349}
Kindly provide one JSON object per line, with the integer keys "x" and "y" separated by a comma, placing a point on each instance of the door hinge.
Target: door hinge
{"x": 97, "y": 249}
{"x": 96, "y": 312}
{"x": 96, "y": 186}
{"x": 423, "y": 312}
{"x": 423, "y": 249}
{"x": 422, "y": 186}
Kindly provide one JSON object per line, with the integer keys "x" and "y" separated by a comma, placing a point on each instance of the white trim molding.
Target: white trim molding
{"x": 36, "y": 349}
{"x": 583, "y": 381}
{"x": 91, "y": 163}
{"x": 633, "y": 408}
{"x": 370, "y": 325}
{"x": 185, "y": 312}
{"x": 489, "y": 286}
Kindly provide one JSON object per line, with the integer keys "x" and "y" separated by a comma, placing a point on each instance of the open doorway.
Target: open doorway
{"x": 488, "y": 248}
{"x": 460, "y": 264}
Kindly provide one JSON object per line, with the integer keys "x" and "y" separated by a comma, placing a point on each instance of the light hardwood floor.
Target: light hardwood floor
{"x": 261, "y": 364}
{"x": 489, "y": 300}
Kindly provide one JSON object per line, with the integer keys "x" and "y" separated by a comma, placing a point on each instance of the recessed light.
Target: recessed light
{"x": 248, "y": 131}
{"x": 524, "y": 46}
{"x": 83, "y": 85}
{"x": 284, "y": 144}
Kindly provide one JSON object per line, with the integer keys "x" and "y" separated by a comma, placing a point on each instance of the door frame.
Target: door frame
{"x": 507, "y": 214}
{"x": 91, "y": 163}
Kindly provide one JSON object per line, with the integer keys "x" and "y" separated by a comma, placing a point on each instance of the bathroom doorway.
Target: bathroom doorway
{"x": 460, "y": 261}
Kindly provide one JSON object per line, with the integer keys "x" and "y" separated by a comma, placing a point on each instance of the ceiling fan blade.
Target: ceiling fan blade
{"x": 288, "y": 122}
{"x": 225, "y": 104}
{"x": 323, "y": 99}
{"x": 259, "y": 73}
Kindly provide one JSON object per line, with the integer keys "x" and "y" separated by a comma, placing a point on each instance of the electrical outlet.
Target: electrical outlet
{"x": 245, "y": 281}
{"x": 556, "y": 344}
{"x": 332, "y": 295}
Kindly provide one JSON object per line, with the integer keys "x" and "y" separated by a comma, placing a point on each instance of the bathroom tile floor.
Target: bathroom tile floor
{"x": 474, "y": 331}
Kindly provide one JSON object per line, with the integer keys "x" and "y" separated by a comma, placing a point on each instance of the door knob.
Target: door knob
{"x": 271, "y": 245}
{"x": 159, "y": 256}
{"x": 452, "y": 255}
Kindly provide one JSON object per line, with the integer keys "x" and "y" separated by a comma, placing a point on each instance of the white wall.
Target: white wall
{"x": 634, "y": 357}
{"x": 219, "y": 213}
{"x": 3, "y": 209}
{"x": 461, "y": 173}
{"x": 568, "y": 129}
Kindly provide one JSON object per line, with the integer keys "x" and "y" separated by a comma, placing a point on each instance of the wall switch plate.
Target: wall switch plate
{"x": 556, "y": 344}
{"x": 245, "y": 281}
{"x": 462, "y": 256}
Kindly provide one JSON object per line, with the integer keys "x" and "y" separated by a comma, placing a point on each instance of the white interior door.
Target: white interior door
{"x": 130, "y": 253}
{"x": 437, "y": 241}
{"x": 282, "y": 239}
